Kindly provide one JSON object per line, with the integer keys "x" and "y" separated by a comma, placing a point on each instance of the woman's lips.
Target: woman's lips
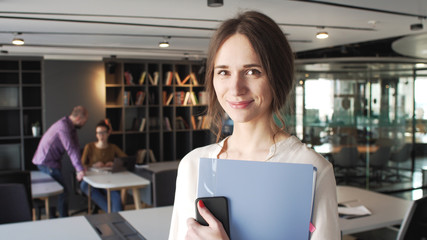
{"x": 240, "y": 104}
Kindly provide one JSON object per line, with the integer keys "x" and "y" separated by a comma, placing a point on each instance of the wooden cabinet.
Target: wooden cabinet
{"x": 137, "y": 94}
{"x": 20, "y": 107}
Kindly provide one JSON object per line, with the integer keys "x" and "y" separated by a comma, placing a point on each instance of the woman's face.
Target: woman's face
{"x": 102, "y": 134}
{"x": 240, "y": 81}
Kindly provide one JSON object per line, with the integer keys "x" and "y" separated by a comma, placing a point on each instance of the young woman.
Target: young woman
{"x": 101, "y": 154}
{"x": 250, "y": 76}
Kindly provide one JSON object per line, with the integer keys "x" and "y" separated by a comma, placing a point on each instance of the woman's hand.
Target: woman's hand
{"x": 109, "y": 164}
{"x": 98, "y": 164}
{"x": 215, "y": 230}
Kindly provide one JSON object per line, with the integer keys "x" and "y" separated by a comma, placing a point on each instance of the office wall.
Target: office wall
{"x": 67, "y": 84}
{"x": 71, "y": 83}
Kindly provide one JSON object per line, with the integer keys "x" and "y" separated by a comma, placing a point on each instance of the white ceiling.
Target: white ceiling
{"x": 93, "y": 29}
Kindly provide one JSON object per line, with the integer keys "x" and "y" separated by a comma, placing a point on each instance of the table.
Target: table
{"x": 154, "y": 223}
{"x": 69, "y": 228}
{"x": 386, "y": 210}
{"x": 44, "y": 186}
{"x": 328, "y": 148}
{"x": 116, "y": 181}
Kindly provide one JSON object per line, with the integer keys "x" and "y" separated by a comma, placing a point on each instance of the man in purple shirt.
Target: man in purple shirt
{"x": 61, "y": 137}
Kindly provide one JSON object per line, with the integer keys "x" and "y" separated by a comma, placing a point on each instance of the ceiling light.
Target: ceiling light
{"x": 165, "y": 42}
{"x": 322, "y": 35}
{"x": 17, "y": 40}
{"x": 215, "y": 3}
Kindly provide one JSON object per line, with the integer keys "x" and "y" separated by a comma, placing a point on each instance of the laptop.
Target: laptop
{"x": 120, "y": 164}
{"x": 414, "y": 225}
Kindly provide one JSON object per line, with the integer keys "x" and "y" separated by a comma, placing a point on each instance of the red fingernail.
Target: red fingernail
{"x": 201, "y": 204}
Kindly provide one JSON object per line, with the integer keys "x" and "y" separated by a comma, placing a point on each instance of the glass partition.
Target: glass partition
{"x": 366, "y": 118}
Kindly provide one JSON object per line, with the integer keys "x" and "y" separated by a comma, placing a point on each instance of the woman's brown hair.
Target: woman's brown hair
{"x": 270, "y": 44}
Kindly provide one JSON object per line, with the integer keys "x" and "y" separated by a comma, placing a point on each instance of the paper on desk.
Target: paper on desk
{"x": 354, "y": 211}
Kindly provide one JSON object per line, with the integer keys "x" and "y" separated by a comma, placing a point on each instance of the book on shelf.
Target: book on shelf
{"x": 194, "y": 79}
{"x": 185, "y": 79}
{"x": 194, "y": 100}
{"x": 135, "y": 124}
{"x": 177, "y": 78}
{"x": 179, "y": 97}
{"x": 154, "y": 80}
{"x": 127, "y": 98}
{"x": 141, "y": 156}
{"x": 152, "y": 157}
{"x": 128, "y": 78}
{"x": 142, "y": 78}
{"x": 140, "y": 95}
{"x": 186, "y": 99}
{"x": 168, "y": 78}
{"x": 191, "y": 77}
{"x": 180, "y": 123}
{"x": 193, "y": 123}
{"x": 167, "y": 124}
{"x": 169, "y": 99}
{"x": 142, "y": 125}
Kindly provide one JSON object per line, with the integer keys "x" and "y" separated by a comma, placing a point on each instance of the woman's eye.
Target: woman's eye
{"x": 253, "y": 72}
{"x": 222, "y": 73}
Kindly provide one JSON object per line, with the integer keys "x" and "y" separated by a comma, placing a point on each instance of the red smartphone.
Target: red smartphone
{"x": 218, "y": 206}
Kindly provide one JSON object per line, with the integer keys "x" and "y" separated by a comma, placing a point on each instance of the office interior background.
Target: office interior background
{"x": 359, "y": 96}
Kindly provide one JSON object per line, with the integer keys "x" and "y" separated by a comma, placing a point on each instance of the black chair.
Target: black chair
{"x": 345, "y": 164}
{"x": 402, "y": 154}
{"x": 164, "y": 184}
{"x": 21, "y": 177}
{"x": 15, "y": 206}
{"x": 414, "y": 225}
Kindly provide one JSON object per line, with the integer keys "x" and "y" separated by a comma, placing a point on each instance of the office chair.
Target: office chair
{"x": 402, "y": 154}
{"x": 346, "y": 161}
{"x": 378, "y": 162}
{"x": 164, "y": 184}
{"x": 21, "y": 177}
{"x": 15, "y": 206}
{"x": 414, "y": 225}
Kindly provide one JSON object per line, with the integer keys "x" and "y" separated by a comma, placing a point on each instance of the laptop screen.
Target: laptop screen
{"x": 414, "y": 225}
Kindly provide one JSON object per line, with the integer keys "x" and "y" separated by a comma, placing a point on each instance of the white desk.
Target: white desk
{"x": 44, "y": 186}
{"x": 116, "y": 181}
{"x": 69, "y": 228}
{"x": 386, "y": 210}
{"x": 152, "y": 223}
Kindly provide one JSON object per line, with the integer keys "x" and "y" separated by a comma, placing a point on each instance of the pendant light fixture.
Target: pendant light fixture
{"x": 17, "y": 40}
{"x": 165, "y": 42}
{"x": 322, "y": 34}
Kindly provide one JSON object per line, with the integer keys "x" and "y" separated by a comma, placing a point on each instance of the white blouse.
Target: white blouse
{"x": 290, "y": 150}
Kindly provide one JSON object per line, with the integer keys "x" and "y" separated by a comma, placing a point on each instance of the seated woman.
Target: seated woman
{"x": 101, "y": 154}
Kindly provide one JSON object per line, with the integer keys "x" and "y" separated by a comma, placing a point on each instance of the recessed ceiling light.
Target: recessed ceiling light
{"x": 164, "y": 44}
{"x": 322, "y": 35}
{"x": 18, "y": 41}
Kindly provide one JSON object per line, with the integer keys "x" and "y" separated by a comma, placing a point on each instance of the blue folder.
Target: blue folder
{"x": 266, "y": 200}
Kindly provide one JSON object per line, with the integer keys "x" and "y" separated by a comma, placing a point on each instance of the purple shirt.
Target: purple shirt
{"x": 60, "y": 137}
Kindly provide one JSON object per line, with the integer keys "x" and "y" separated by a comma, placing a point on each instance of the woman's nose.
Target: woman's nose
{"x": 237, "y": 85}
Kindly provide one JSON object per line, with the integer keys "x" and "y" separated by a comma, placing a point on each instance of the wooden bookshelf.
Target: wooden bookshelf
{"x": 170, "y": 130}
